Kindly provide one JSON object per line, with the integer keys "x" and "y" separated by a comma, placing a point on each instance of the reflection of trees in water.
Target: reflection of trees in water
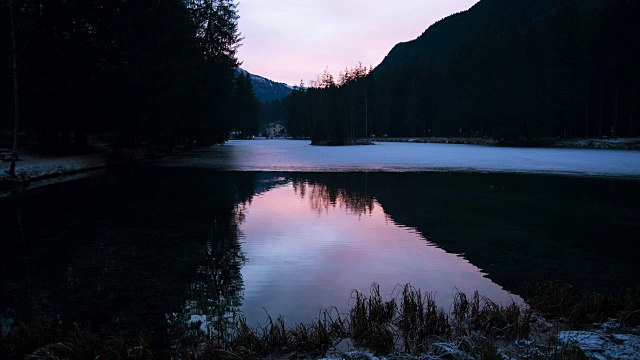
{"x": 216, "y": 295}
{"x": 322, "y": 197}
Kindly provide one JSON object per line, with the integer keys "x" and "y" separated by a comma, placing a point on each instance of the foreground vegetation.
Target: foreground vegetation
{"x": 410, "y": 325}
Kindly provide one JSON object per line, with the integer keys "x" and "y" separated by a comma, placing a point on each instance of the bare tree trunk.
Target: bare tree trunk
{"x": 601, "y": 105}
{"x": 586, "y": 121}
{"x": 16, "y": 98}
{"x": 615, "y": 114}
{"x": 386, "y": 118}
{"x": 439, "y": 114}
{"x": 309, "y": 128}
{"x": 366, "y": 115}
{"x": 18, "y": 212}
{"x": 631, "y": 97}
{"x": 324, "y": 119}
{"x": 353, "y": 113}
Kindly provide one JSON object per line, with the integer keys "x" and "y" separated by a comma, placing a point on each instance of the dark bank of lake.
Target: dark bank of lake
{"x": 193, "y": 239}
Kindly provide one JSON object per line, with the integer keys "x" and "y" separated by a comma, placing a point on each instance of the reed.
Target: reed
{"x": 629, "y": 310}
{"x": 371, "y": 321}
{"x": 481, "y": 315}
{"x": 420, "y": 321}
{"x": 478, "y": 346}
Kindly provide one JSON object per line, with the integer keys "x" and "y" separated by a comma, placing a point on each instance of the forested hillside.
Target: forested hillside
{"x": 266, "y": 90}
{"x": 515, "y": 70}
{"x": 138, "y": 72}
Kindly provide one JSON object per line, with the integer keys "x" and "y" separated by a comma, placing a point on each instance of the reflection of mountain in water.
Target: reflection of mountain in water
{"x": 517, "y": 228}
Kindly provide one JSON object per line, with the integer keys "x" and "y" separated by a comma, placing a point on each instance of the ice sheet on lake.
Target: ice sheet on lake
{"x": 298, "y": 155}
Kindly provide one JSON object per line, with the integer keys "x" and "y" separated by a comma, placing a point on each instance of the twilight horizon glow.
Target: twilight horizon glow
{"x": 292, "y": 40}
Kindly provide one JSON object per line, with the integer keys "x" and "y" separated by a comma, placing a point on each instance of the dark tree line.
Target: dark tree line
{"x": 570, "y": 72}
{"x": 155, "y": 72}
{"x": 331, "y": 111}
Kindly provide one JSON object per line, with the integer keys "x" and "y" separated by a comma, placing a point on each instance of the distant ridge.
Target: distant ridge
{"x": 518, "y": 71}
{"x": 266, "y": 90}
{"x": 464, "y": 29}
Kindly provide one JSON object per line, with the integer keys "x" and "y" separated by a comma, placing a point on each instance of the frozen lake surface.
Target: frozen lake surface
{"x": 298, "y": 155}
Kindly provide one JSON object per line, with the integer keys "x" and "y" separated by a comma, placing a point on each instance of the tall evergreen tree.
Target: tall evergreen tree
{"x": 245, "y": 106}
{"x": 217, "y": 30}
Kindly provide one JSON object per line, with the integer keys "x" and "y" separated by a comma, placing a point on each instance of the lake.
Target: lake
{"x": 283, "y": 228}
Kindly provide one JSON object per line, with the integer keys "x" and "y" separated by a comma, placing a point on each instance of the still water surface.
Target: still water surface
{"x": 307, "y": 248}
{"x": 162, "y": 245}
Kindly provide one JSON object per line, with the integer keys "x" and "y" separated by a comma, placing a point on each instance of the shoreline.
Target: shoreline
{"x": 632, "y": 143}
{"x": 29, "y": 171}
{"x": 34, "y": 166}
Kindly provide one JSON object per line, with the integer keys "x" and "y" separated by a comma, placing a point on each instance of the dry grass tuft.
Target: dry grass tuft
{"x": 39, "y": 339}
{"x": 556, "y": 349}
{"x": 480, "y": 314}
{"x": 371, "y": 321}
{"x": 420, "y": 321}
{"x": 629, "y": 312}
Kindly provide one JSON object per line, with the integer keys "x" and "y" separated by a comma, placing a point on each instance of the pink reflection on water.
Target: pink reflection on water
{"x": 302, "y": 257}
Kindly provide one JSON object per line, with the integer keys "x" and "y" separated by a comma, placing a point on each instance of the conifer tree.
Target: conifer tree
{"x": 245, "y": 106}
{"x": 216, "y": 24}
{"x": 217, "y": 29}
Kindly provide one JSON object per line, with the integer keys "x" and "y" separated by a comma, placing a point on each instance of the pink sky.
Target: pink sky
{"x": 290, "y": 40}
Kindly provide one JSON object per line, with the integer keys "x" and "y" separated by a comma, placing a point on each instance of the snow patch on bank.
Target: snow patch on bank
{"x": 608, "y": 342}
{"x": 31, "y": 170}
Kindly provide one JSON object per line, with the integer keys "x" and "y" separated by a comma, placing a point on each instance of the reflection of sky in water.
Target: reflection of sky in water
{"x": 302, "y": 256}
